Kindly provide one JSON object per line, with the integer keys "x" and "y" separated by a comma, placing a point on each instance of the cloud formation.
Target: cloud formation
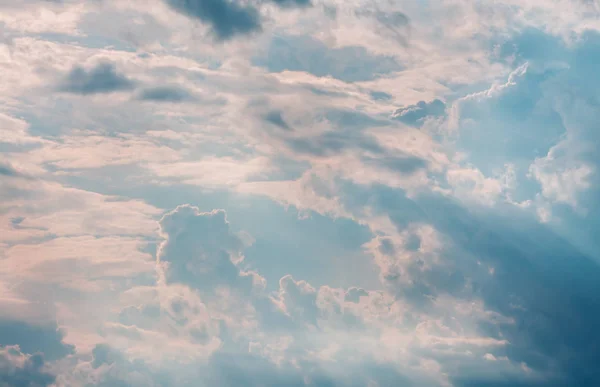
{"x": 299, "y": 193}
{"x": 165, "y": 94}
{"x": 102, "y": 78}
{"x": 18, "y": 369}
{"x": 201, "y": 250}
{"x": 293, "y": 3}
{"x": 348, "y": 63}
{"x": 227, "y": 18}
{"x": 415, "y": 114}
{"x": 34, "y": 339}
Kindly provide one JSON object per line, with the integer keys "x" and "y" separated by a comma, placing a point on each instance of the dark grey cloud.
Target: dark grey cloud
{"x": 349, "y": 126}
{"x": 20, "y": 370}
{"x": 165, "y": 94}
{"x": 8, "y": 170}
{"x": 274, "y": 117}
{"x": 380, "y": 95}
{"x": 329, "y": 93}
{"x": 292, "y": 3}
{"x": 401, "y": 164}
{"x": 332, "y": 143}
{"x": 227, "y": 18}
{"x": 230, "y": 18}
{"x": 415, "y": 114}
{"x": 103, "y": 78}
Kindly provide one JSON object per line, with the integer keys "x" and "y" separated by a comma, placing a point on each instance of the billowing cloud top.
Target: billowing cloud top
{"x": 299, "y": 193}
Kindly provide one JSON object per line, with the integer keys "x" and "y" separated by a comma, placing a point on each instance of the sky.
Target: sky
{"x": 326, "y": 193}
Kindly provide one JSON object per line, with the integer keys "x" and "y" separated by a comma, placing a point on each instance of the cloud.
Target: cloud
{"x": 397, "y": 163}
{"x": 540, "y": 121}
{"x": 199, "y": 239}
{"x": 33, "y": 339}
{"x": 391, "y": 23}
{"x": 527, "y": 269}
{"x": 348, "y": 63}
{"x": 110, "y": 367}
{"x": 214, "y": 172}
{"x": 275, "y": 118}
{"x": 496, "y": 255}
{"x": 414, "y": 115}
{"x": 342, "y": 131}
{"x": 87, "y": 150}
{"x": 14, "y": 132}
{"x": 205, "y": 246}
{"x": 196, "y": 321}
{"x": 562, "y": 179}
{"x": 81, "y": 212}
{"x": 293, "y": 3}
{"x": 354, "y": 294}
{"x": 230, "y": 18}
{"x": 380, "y": 95}
{"x": 38, "y": 17}
{"x": 201, "y": 251}
{"x": 84, "y": 263}
{"x": 102, "y": 78}
{"x": 385, "y": 250}
{"x": 299, "y": 299}
{"x": 332, "y": 143}
{"x": 19, "y": 369}
{"x": 165, "y": 94}
{"x": 7, "y": 170}
{"x": 226, "y": 18}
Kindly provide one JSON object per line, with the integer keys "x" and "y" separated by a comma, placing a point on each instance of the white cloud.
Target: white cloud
{"x": 59, "y": 210}
{"x": 43, "y": 17}
{"x": 84, "y": 263}
{"x": 14, "y": 131}
{"x": 214, "y": 172}
{"x": 83, "y": 150}
{"x": 471, "y": 183}
{"x": 561, "y": 175}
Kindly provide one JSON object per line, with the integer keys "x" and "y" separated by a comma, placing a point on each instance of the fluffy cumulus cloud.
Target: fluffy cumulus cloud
{"x": 299, "y": 193}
